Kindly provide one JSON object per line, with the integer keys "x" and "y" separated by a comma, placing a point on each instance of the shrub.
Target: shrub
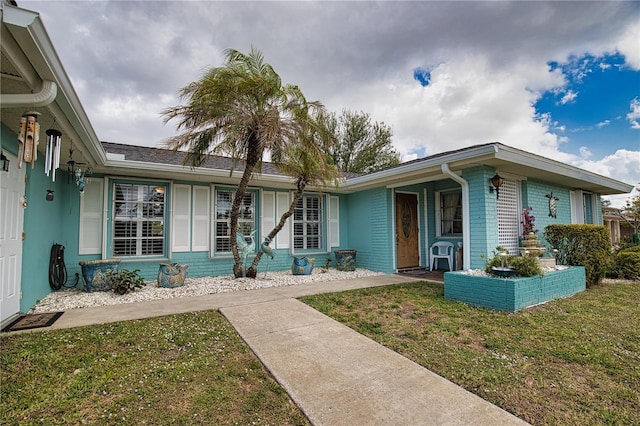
{"x": 525, "y": 266}
{"x": 124, "y": 281}
{"x": 632, "y": 249}
{"x": 584, "y": 245}
{"x": 627, "y": 264}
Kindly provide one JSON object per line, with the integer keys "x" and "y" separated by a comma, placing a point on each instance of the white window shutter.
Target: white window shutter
{"x": 268, "y": 209}
{"x": 91, "y": 210}
{"x": 181, "y": 218}
{"x": 200, "y": 229}
{"x": 577, "y": 207}
{"x": 333, "y": 216}
{"x": 282, "y": 205}
{"x": 509, "y": 216}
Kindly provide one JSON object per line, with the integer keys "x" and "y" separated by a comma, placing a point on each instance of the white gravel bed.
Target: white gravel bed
{"x": 76, "y": 298}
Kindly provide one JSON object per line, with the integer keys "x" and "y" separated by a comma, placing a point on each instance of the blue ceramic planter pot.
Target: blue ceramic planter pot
{"x": 94, "y": 273}
{"x": 302, "y": 266}
{"x": 171, "y": 275}
{"x": 345, "y": 260}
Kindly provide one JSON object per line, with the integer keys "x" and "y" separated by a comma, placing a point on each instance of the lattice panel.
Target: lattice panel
{"x": 509, "y": 216}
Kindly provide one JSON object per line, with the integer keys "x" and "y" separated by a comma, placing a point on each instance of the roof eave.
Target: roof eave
{"x": 27, "y": 29}
{"x": 146, "y": 169}
{"x": 605, "y": 184}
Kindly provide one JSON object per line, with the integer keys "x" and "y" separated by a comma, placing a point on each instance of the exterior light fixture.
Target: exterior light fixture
{"x": 49, "y": 195}
{"x": 496, "y": 183}
{"x": 76, "y": 173}
{"x": 4, "y": 162}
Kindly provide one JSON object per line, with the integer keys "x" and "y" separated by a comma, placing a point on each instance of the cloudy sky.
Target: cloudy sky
{"x": 560, "y": 79}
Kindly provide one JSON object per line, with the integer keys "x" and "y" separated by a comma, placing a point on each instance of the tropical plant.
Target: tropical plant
{"x": 308, "y": 164}
{"x": 241, "y": 110}
{"x": 124, "y": 281}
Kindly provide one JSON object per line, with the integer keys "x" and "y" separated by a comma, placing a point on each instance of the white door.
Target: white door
{"x": 11, "y": 219}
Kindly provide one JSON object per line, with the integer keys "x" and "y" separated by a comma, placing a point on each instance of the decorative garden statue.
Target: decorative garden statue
{"x": 245, "y": 248}
{"x": 264, "y": 247}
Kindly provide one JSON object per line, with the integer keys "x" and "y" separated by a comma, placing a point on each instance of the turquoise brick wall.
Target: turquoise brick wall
{"x": 368, "y": 228}
{"x": 45, "y": 223}
{"x": 513, "y": 294}
{"x": 534, "y": 194}
{"x": 483, "y": 220}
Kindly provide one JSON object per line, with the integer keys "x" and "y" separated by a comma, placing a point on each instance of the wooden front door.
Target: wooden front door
{"x": 407, "y": 231}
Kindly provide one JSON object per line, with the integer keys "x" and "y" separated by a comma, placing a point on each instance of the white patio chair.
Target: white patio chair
{"x": 441, "y": 250}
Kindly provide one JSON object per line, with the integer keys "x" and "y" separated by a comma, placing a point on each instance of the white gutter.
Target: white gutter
{"x": 466, "y": 228}
{"x": 45, "y": 96}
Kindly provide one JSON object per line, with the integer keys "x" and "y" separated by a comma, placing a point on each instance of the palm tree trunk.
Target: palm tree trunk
{"x": 253, "y": 270}
{"x": 253, "y": 158}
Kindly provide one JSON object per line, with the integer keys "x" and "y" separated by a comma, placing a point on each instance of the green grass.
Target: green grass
{"x": 182, "y": 369}
{"x": 571, "y": 361}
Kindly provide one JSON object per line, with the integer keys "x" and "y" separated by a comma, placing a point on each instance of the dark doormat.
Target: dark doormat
{"x": 26, "y": 322}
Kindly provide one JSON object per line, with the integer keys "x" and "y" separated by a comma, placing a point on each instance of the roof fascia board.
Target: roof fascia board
{"x": 517, "y": 156}
{"x": 200, "y": 171}
{"x": 27, "y": 29}
{"x": 458, "y": 158}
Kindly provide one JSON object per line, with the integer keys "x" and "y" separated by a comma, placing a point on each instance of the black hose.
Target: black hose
{"x": 57, "y": 268}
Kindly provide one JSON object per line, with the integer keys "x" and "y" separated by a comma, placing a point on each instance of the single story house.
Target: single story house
{"x": 143, "y": 206}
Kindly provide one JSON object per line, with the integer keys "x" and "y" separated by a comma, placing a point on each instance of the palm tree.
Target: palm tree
{"x": 309, "y": 164}
{"x": 240, "y": 110}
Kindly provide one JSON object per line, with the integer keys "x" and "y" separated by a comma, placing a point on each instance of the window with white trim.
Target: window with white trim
{"x": 307, "y": 229}
{"x": 450, "y": 213}
{"x": 138, "y": 217}
{"x": 222, "y": 218}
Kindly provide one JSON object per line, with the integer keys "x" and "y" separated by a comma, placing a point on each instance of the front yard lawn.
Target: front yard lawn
{"x": 570, "y": 361}
{"x": 180, "y": 369}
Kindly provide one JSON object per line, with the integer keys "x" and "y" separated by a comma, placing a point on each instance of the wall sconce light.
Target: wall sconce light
{"x": 49, "y": 194}
{"x": 496, "y": 183}
{"x": 76, "y": 173}
{"x": 4, "y": 162}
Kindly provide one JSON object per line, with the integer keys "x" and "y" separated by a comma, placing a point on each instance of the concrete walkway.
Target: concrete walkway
{"x": 335, "y": 375}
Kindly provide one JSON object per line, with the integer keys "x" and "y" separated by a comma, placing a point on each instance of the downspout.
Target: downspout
{"x": 45, "y": 96}
{"x": 466, "y": 234}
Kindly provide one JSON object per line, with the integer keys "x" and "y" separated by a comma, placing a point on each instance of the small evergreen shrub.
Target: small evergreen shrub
{"x": 582, "y": 245}
{"x": 125, "y": 281}
{"x": 628, "y": 265}
{"x": 632, "y": 249}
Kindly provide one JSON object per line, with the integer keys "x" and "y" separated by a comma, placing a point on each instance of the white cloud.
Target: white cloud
{"x": 128, "y": 61}
{"x": 622, "y": 165}
{"x": 628, "y": 45}
{"x": 584, "y": 152}
{"x": 569, "y": 97}
{"x": 603, "y": 123}
{"x": 634, "y": 115}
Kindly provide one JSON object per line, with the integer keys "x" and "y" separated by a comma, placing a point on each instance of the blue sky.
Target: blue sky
{"x": 595, "y": 109}
{"x": 560, "y": 79}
